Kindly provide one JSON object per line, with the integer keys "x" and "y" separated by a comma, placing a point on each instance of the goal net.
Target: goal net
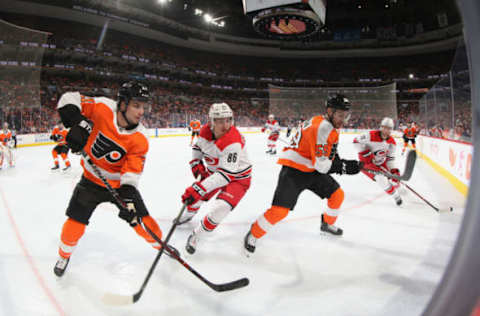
{"x": 21, "y": 54}
{"x": 369, "y": 104}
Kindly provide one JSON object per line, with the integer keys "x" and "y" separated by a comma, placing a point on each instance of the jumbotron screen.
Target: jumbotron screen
{"x": 290, "y": 27}
{"x": 318, "y": 6}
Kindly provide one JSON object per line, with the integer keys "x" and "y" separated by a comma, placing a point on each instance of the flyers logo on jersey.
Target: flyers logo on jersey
{"x": 105, "y": 147}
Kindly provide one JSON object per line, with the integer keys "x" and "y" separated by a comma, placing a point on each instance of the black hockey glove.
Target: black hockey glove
{"x": 78, "y": 135}
{"x": 135, "y": 206}
{"x": 342, "y": 166}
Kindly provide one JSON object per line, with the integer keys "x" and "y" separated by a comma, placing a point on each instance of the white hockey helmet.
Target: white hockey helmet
{"x": 387, "y": 122}
{"x": 220, "y": 110}
{"x": 271, "y": 117}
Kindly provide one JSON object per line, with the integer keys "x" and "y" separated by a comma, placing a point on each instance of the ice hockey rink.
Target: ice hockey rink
{"x": 388, "y": 262}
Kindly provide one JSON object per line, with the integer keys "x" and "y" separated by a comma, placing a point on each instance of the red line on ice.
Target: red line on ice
{"x": 27, "y": 255}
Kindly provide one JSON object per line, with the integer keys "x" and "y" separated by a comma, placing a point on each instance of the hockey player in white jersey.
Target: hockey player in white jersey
{"x": 228, "y": 172}
{"x": 376, "y": 149}
{"x": 272, "y": 125}
{"x": 6, "y": 145}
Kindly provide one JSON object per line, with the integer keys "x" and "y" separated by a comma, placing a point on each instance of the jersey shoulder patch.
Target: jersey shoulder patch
{"x": 325, "y": 131}
{"x": 112, "y": 104}
{"x": 206, "y": 132}
{"x": 391, "y": 140}
{"x": 231, "y": 137}
{"x": 143, "y": 131}
{"x": 375, "y": 136}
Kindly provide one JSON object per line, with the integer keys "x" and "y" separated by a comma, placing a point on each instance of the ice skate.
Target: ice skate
{"x": 192, "y": 242}
{"x": 61, "y": 266}
{"x": 332, "y": 229}
{"x": 398, "y": 200}
{"x": 249, "y": 243}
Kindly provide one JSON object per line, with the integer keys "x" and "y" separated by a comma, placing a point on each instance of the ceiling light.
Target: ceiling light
{"x": 207, "y": 17}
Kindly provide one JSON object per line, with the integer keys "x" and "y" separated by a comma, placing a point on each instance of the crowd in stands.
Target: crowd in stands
{"x": 30, "y": 108}
{"x": 140, "y": 54}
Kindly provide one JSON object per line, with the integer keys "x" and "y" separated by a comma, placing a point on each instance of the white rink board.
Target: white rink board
{"x": 455, "y": 157}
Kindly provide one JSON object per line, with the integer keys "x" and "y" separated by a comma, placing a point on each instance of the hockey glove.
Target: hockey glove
{"x": 263, "y": 129}
{"x": 396, "y": 172}
{"x": 342, "y": 166}
{"x": 352, "y": 166}
{"x": 78, "y": 135}
{"x": 194, "y": 193}
{"x": 134, "y": 202}
{"x": 198, "y": 169}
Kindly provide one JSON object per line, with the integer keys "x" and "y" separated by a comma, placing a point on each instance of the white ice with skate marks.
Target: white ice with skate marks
{"x": 388, "y": 261}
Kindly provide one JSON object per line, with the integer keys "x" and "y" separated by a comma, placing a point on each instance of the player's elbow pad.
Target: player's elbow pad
{"x": 70, "y": 115}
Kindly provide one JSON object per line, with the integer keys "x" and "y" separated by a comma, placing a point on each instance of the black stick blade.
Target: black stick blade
{"x": 230, "y": 285}
{"x": 409, "y": 165}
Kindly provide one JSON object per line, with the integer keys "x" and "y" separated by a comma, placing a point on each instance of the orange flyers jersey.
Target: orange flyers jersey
{"x": 62, "y": 139}
{"x": 410, "y": 132}
{"x": 118, "y": 153}
{"x": 5, "y": 136}
{"x": 313, "y": 147}
{"x": 195, "y": 125}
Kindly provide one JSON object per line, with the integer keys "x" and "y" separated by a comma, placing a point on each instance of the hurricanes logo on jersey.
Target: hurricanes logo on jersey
{"x": 211, "y": 161}
{"x": 105, "y": 147}
{"x": 379, "y": 157}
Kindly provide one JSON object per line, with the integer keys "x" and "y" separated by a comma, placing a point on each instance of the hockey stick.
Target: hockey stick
{"x": 407, "y": 171}
{"x": 129, "y": 299}
{"x": 439, "y": 210}
{"x": 284, "y": 141}
{"x": 117, "y": 299}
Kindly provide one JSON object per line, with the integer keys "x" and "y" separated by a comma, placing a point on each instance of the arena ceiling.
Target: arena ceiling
{"x": 227, "y": 16}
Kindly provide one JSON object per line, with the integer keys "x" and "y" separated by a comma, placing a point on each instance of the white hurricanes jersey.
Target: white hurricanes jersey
{"x": 272, "y": 125}
{"x": 383, "y": 150}
{"x": 225, "y": 158}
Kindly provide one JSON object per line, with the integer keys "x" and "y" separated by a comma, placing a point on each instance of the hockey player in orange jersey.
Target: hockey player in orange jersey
{"x": 111, "y": 134}
{"x": 195, "y": 126}
{"x": 409, "y": 135}
{"x": 6, "y": 146}
{"x": 307, "y": 164}
{"x": 59, "y": 135}
{"x": 228, "y": 172}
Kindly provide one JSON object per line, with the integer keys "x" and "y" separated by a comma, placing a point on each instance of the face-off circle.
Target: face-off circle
{"x": 286, "y": 23}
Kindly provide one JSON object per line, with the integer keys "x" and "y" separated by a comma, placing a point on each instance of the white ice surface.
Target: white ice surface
{"x": 388, "y": 262}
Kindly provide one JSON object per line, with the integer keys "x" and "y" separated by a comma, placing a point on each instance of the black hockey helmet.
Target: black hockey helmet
{"x": 338, "y": 102}
{"x": 133, "y": 90}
